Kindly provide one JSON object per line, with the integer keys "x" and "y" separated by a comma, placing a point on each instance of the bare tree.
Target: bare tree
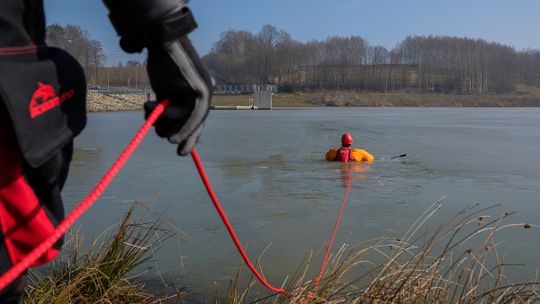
{"x": 76, "y": 41}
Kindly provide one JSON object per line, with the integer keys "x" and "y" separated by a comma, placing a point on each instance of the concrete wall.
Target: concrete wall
{"x": 262, "y": 100}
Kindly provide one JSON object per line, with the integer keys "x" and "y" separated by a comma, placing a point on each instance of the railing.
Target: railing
{"x": 232, "y": 89}
{"x": 116, "y": 90}
{"x": 220, "y": 89}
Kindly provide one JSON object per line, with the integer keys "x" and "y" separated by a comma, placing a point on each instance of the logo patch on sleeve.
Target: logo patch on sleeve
{"x": 45, "y": 99}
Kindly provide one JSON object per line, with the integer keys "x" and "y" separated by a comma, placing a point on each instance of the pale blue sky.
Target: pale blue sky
{"x": 381, "y": 22}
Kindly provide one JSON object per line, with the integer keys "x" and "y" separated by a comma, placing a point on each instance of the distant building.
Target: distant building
{"x": 262, "y": 100}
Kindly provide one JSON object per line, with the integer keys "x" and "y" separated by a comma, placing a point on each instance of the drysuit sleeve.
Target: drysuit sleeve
{"x": 362, "y": 155}
{"x": 175, "y": 70}
{"x": 331, "y": 155}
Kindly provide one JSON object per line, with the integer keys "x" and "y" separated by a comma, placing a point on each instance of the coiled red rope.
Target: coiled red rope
{"x": 37, "y": 252}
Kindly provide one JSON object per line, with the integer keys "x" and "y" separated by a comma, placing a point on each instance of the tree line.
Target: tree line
{"x": 89, "y": 53}
{"x": 438, "y": 64}
{"x": 418, "y": 63}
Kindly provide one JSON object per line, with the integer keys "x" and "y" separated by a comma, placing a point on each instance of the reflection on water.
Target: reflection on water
{"x": 277, "y": 189}
{"x": 352, "y": 171}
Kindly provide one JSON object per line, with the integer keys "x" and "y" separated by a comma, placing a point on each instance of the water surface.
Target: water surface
{"x": 267, "y": 169}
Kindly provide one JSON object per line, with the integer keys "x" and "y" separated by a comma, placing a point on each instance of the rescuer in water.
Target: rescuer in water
{"x": 346, "y": 154}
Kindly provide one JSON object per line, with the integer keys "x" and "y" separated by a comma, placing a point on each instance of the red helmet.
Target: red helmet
{"x": 346, "y": 139}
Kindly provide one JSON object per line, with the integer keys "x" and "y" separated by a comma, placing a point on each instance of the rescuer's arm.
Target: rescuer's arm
{"x": 331, "y": 155}
{"x": 366, "y": 156}
{"x": 174, "y": 67}
{"x": 361, "y": 155}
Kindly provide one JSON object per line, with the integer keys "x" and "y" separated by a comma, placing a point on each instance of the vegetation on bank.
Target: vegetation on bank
{"x": 526, "y": 97}
{"x": 298, "y": 99}
{"x": 100, "y": 275}
{"x": 356, "y": 99}
{"x": 454, "y": 262}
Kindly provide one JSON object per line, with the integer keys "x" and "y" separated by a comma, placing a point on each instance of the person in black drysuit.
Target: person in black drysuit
{"x": 42, "y": 108}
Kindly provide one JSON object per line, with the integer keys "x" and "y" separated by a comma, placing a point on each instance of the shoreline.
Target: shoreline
{"x": 104, "y": 102}
{"x": 355, "y": 99}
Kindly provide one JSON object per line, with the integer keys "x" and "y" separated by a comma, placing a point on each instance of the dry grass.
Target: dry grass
{"x": 524, "y": 97}
{"x": 231, "y": 100}
{"x": 534, "y": 91}
{"x": 278, "y": 100}
{"x": 364, "y": 99}
{"x": 299, "y": 99}
{"x": 99, "y": 275}
{"x": 457, "y": 262}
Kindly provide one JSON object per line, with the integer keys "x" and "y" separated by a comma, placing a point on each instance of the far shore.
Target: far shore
{"x": 99, "y": 102}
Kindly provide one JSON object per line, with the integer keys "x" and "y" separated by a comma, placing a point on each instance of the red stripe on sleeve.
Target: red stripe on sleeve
{"x": 23, "y": 222}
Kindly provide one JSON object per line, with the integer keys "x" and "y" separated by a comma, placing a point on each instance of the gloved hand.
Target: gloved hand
{"x": 174, "y": 67}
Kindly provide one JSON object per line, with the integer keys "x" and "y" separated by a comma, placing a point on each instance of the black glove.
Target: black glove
{"x": 174, "y": 67}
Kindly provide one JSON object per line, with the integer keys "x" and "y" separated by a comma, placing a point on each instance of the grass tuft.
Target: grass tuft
{"x": 454, "y": 262}
{"x": 99, "y": 275}
{"x": 457, "y": 262}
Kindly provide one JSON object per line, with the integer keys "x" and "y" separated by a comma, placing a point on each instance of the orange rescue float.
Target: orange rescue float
{"x": 356, "y": 155}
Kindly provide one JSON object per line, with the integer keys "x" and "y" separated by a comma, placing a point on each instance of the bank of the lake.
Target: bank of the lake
{"x": 523, "y": 97}
{"x": 105, "y": 102}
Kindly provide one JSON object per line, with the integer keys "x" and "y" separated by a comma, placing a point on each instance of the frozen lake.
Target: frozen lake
{"x": 268, "y": 170}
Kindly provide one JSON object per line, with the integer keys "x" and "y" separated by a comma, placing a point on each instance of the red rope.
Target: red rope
{"x": 37, "y": 252}
{"x": 329, "y": 247}
{"x": 225, "y": 220}
{"x": 336, "y": 226}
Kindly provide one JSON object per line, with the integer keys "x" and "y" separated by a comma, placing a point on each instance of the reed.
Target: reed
{"x": 456, "y": 262}
{"x": 453, "y": 262}
{"x": 99, "y": 275}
